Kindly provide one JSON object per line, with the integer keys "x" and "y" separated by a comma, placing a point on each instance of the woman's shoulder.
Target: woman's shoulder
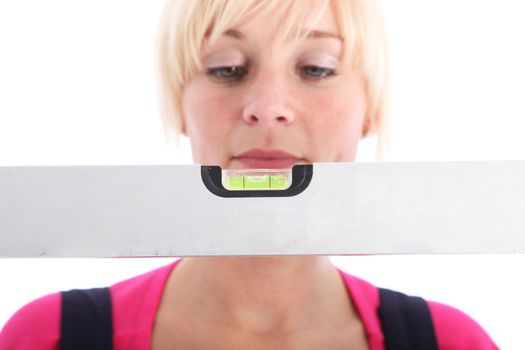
{"x": 35, "y": 326}
{"x": 146, "y": 284}
{"x": 457, "y": 330}
{"x": 135, "y": 302}
{"x": 454, "y": 329}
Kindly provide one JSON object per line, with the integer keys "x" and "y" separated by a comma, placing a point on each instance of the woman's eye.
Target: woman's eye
{"x": 316, "y": 72}
{"x": 229, "y": 73}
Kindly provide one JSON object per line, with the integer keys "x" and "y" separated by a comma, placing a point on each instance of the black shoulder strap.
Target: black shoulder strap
{"x": 86, "y": 320}
{"x": 406, "y": 322}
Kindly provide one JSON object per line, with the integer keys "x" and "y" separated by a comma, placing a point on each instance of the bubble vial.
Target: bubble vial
{"x": 256, "y": 180}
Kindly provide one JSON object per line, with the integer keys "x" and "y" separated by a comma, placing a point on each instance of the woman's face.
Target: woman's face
{"x": 260, "y": 102}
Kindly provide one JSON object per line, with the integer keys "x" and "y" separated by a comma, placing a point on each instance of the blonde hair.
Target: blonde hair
{"x": 186, "y": 23}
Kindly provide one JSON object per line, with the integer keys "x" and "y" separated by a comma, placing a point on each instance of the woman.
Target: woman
{"x": 259, "y": 84}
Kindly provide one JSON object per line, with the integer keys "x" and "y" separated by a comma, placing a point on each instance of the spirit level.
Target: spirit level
{"x": 324, "y": 208}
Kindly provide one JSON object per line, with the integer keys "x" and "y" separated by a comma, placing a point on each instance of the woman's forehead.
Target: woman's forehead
{"x": 285, "y": 23}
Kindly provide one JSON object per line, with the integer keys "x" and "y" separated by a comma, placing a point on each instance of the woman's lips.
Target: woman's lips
{"x": 267, "y": 159}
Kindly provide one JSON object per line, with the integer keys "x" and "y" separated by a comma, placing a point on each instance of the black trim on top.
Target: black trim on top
{"x": 406, "y": 322}
{"x": 86, "y": 320}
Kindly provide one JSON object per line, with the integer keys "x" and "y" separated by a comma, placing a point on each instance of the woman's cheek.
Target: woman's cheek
{"x": 206, "y": 114}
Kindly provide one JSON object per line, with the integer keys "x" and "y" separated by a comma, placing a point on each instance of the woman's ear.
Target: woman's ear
{"x": 181, "y": 123}
{"x": 182, "y": 129}
{"x": 369, "y": 125}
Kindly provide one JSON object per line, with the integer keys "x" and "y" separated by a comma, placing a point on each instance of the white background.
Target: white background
{"x": 77, "y": 87}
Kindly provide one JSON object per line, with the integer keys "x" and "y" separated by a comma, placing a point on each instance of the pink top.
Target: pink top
{"x": 37, "y": 325}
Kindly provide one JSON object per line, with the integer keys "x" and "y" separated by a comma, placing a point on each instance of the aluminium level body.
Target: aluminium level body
{"x": 346, "y": 208}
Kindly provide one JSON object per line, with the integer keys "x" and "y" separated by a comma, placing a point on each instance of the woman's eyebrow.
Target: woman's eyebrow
{"x": 234, "y": 33}
{"x": 311, "y": 34}
{"x": 318, "y": 34}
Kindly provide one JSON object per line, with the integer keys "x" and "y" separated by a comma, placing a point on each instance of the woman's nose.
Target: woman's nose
{"x": 268, "y": 103}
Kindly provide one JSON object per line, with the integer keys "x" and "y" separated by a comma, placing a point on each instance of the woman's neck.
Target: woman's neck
{"x": 261, "y": 295}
